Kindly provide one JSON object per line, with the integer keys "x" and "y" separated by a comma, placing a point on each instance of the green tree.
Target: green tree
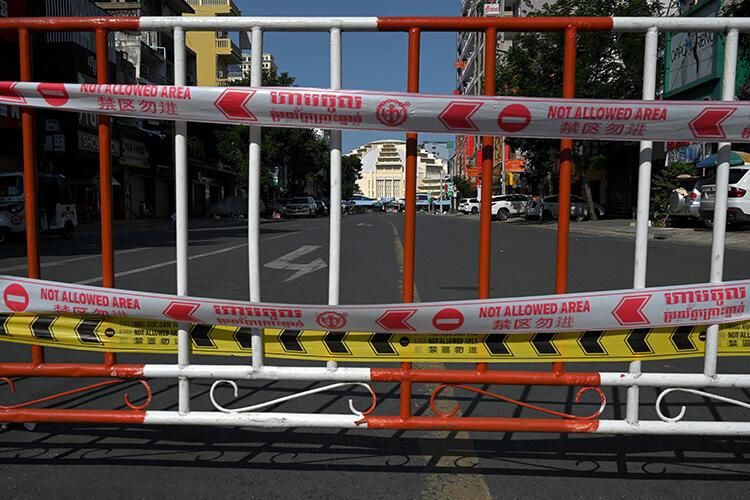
{"x": 463, "y": 186}
{"x": 608, "y": 66}
{"x": 302, "y": 151}
{"x": 662, "y": 185}
{"x": 351, "y": 172}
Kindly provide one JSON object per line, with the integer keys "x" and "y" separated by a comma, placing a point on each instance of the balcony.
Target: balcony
{"x": 215, "y": 7}
{"x": 226, "y": 47}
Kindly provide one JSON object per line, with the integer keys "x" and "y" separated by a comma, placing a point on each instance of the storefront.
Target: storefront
{"x": 134, "y": 163}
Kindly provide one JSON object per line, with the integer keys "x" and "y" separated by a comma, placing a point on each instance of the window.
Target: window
{"x": 396, "y": 187}
{"x": 380, "y": 188}
{"x": 735, "y": 174}
{"x": 11, "y": 185}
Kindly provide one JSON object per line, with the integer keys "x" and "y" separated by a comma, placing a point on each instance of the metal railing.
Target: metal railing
{"x": 406, "y": 375}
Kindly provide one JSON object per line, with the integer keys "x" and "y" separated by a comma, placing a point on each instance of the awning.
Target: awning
{"x": 735, "y": 158}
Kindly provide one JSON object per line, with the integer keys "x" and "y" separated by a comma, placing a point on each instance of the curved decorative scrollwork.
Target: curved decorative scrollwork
{"x": 441, "y": 388}
{"x": 683, "y": 409}
{"x": 79, "y": 390}
{"x": 272, "y": 402}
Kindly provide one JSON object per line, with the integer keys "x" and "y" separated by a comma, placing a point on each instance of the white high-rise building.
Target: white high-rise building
{"x": 384, "y": 169}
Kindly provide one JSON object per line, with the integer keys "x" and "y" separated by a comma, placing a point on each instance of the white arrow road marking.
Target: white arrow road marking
{"x": 284, "y": 262}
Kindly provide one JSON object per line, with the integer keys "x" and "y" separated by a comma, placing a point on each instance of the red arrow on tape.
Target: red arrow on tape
{"x": 457, "y": 115}
{"x": 630, "y": 310}
{"x": 232, "y": 103}
{"x": 9, "y": 94}
{"x": 182, "y": 311}
{"x": 396, "y": 320}
{"x": 708, "y": 123}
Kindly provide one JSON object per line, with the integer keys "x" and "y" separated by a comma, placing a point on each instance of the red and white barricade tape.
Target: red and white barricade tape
{"x": 357, "y": 110}
{"x": 645, "y": 308}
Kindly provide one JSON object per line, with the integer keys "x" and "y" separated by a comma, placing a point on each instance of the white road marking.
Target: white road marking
{"x": 284, "y": 262}
{"x": 61, "y": 262}
{"x": 445, "y": 485}
{"x": 221, "y": 228}
{"x": 161, "y": 264}
{"x": 97, "y": 279}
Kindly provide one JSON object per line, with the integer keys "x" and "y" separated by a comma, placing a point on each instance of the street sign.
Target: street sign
{"x": 448, "y": 319}
{"x": 514, "y": 118}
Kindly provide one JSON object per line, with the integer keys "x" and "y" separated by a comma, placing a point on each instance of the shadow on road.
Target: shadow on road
{"x": 491, "y": 454}
{"x": 128, "y": 236}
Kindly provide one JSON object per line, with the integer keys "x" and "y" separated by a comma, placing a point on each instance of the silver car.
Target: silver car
{"x": 302, "y": 205}
{"x": 548, "y": 208}
{"x": 685, "y": 200}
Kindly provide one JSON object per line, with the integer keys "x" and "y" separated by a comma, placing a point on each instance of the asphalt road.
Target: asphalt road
{"x": 142, "y": 462}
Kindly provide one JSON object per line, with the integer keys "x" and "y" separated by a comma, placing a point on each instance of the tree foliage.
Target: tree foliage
{"x": 463, "y": 186}
{"x": 608, "y": 66}
{"x": 351, "y": 172}
{"x": 304, "y": 153}
{"x": 662, "y": 185}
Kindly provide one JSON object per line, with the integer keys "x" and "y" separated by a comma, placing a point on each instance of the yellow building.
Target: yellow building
{"x": 215, "y": 51}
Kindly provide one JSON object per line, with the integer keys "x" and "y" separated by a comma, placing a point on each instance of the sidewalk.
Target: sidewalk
{"x": 738, "y": 239}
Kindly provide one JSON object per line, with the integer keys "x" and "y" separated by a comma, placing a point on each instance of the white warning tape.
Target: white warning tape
{"x": 357, "y": 110}
{"x": 646, "y": 308}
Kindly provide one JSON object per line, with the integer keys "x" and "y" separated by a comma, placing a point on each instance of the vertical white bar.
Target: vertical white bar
{"x": 334, "y": 244}
{"x": 720, "y": 206}
{"x": 253, "y": 197}
{"x": 181, "y": 219}
{"x": 644, "y": 193}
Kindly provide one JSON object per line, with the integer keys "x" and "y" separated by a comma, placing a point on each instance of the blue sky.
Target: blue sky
{"x": 371, "y": 61}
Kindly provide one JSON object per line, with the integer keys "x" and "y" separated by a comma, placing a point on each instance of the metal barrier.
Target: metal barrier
{"x": 406, "y": 376}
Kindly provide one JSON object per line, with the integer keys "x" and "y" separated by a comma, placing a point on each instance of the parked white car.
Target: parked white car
{"x": 509, "y": 205}
{"x": 56, "y": 211}
{"x": 738, "y": 201}
{"x": 548, "y": 208}
{"x": 469, "y": 206}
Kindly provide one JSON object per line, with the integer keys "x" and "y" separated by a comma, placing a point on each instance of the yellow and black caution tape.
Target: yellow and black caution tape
{"x": 160, "y": 337}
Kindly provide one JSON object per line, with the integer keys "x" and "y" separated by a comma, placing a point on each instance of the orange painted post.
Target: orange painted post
{"x": 485, "y": 212}
{"x": 566, "y": 168}
{"x": 105, "y": 177}
{"x": 410, "y": 208}
{"x": 29, "y": 178}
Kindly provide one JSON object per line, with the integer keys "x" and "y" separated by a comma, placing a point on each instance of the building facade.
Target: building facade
{"x": 693, "y": 71}
{"x": 384, "y": 172}
{"x": 440, "y": 149}
{"x": 145, "y": 159}
{"x": 470, "y": 74}
{"x": 242, "y": 71}
{"x": 217, "y": 54}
